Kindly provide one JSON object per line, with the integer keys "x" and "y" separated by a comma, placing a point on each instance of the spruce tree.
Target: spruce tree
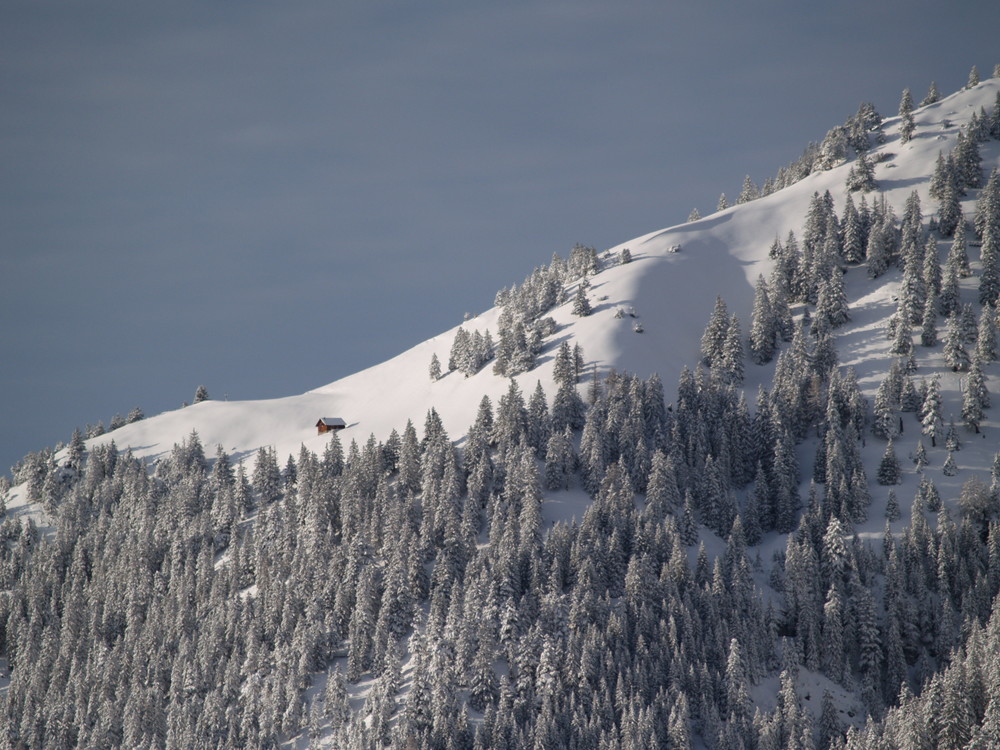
{"x": 567, "y": 408}
{"x": 932, "y": 275}
{"x": 957, "y": 255}
{"x": 952, "y": 441}
{"x": 892, "y": 512}
{"x": 930, "y": 413}
{"x": 878, "y": 253}
{"x": 539, "y": 425}
{"x": 853, "y": 233}
{"x": 889, "y": 472}
{"x": 909, "y": 399}
{"x": 832, "y": 304}
{"x": 920, "y": 457}
{"x": 913, "y": 292}
{"x": 581, "y": 305}
{"x": 902, "y": 342}
{"x": 988, "y": 206}
{"x": 968, "y": 324}
{"x": 749, "y": 192}
{"x": 950, "y": 299}
{"x": 949, "y": 210}
{"x": 967, "y": 160}
{"x": 861, "y": 177}
{"x": 459, "y": 349}
{"x": 886, "y": 400}
{"x": 994, "y": 126}
{"x": 728, "y": 366}
{"x": 989, "y": 280}
{"x": 932, "y": 95}
{"x": 763, "y": 326}
{"x": 435, "y": 368}
{"x": 986, "y": 341}
{"x": 973, "y": 78}
{"x": 955, "y": 354}
{"x": 713, "y": 340}
{"x": 943, "y": 175}
{"x": 928, "y": 324}
{"x": 906, "y": 125}
{"x": 975, "y": 398}
{"x": 950, "y": 468}
{"x": 563, "y": 370}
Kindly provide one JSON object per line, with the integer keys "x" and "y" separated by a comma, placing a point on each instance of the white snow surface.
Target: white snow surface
{"x": 672, "y": 293}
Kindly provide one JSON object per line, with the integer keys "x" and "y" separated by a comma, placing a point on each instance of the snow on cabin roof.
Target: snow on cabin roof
{"x": 333, "y": 422}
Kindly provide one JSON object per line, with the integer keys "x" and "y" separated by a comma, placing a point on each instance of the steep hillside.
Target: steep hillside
{"x": 711, "y": 566}
{"x": 673, "y": 294}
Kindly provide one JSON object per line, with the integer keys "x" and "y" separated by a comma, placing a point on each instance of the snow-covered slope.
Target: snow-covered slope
{"x": 670, "y": 286}
{"x": 672, "y": 293}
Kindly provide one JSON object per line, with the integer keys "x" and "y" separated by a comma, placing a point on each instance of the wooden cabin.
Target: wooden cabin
{"x": 329, "y": 424}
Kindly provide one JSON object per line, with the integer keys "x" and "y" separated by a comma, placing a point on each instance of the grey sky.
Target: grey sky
{"x": 263, "y": 197}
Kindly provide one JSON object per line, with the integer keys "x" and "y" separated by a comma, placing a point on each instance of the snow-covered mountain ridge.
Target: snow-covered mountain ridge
{"x": 672, "y": 293}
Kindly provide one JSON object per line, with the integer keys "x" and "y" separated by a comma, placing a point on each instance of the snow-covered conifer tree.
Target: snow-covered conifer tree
{"x": 749, "y": 192}
{"x": 567, "y": 408}
{"x": 832, "y": 305}
{"x": 986, "y": 341}
{"x": 930, "y": 413}
{"x": 713, "y": 340}
{"x": 878, "y": 252}
{"x": 949, "y": 302}
{"x": 906, "y": 125}
{"x": 913, "y": 291}
{"x": 267, "y": 476}
{"x": 902, "y": 342}
{"x": 975, "y": 398}
{"x": 932, "y": 95}
{"x": 763, "y": 326}
{"x": 459, "y": 349}
{"x": 994, "y": 124}
{"x": 949, "y": 210}
{"x": 973, "y": 78}
{"x": 888, "y": 469}
{"x": 928, "y": 323}
{"x": 944, "y": 174}
{"x": 892, "y": 511}
{"x": 560, "y": 460}
{"x": 728, "y": 365}
{"x": 853, "y": 233}
{"x": 861, "y": 177}
{"x": 950, "y": 468}
{"x": 955, "y": 354}
{"x": 539, "y": 423}
{"x": 967, "y": 170}
{"x": 989, "y": 280}
{"x": 563, "y": 370}
{"x": 581, "y": 305}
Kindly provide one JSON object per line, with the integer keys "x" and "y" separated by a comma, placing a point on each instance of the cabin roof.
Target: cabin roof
{"x": 332, "y": 422}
